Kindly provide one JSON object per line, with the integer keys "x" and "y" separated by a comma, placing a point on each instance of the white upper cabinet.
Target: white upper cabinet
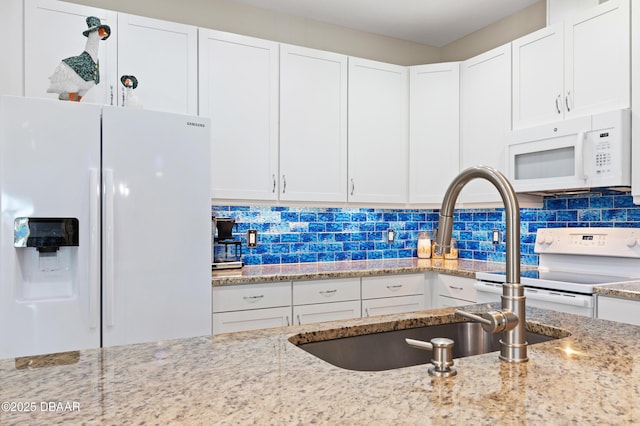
{"x": 11, "y": 46}
{"x": 538, "y": 77}
{"x": 485, "y": 114}
{"x": 572, "y": 68}
{"x": 559, "y": 10}
{"x": 163, "y": 56}
{"x": 598, "y": 62}
{"x": 239, "y": 92}
{"x": 378, "y": 132}
{"x": 313, "y": 125}
{"x": 434, "y": 130}
{"x": 52, "y": 32}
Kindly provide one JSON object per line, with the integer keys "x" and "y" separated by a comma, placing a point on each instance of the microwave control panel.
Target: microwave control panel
{"x": 602, "y": 152}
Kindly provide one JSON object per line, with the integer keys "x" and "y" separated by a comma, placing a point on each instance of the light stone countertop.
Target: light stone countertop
{"x": 355, "y": 268}
{"x": 630, "y": 290}
{"x": 260, "y": 377}
{"x": 324, "y": 270}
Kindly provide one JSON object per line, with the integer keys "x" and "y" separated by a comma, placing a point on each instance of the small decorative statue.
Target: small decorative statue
{"x": 130, "y": 99}
{"x": 76, "y": 75}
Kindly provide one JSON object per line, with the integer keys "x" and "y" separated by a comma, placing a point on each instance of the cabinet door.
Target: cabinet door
{"x": 326, "y": 312}
{"x": 239, "y": 92}
{"x": 11, "y": 46}
{"x": 313, "y": 125}
{"x": 485, "y": 118}
{"x": 378, "y": 132}
{"x": 434, "y": 130}
{"x": 598, "y": 59}
{"x": 163, "y": 57}
{"x": 64, "y": 24}
{"x": 393, "y": 305}
{"x": 538, "y": 77}
{"x": 617, "y": 309}
{"x": 229, "y": 322}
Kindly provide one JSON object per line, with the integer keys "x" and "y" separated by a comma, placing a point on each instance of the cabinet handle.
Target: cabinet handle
{"x": 455, "y": 288}
{"x": 122, "y": 96}
{"x": 558, "y": 103}
{"x": 288, "y": 323}
{"x": 566, "y": 100}
{"x": 366, "y": 312}
{"x": 111, "y": 95}
{"x": 395, "y": 286}
{"x": 327, "y": 292}
{"x": 284, "y": 184}
{"x": 353, "y": 186}
{"x": 273, "y": 176}
{"x": 253, "y": 298}
{"x": 299, "y": 322}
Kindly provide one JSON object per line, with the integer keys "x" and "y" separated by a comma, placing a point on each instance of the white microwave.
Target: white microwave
{"x": 584, "y": 152}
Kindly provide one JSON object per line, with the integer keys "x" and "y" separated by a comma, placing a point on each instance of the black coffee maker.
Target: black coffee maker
{"x": 227, "y": 252}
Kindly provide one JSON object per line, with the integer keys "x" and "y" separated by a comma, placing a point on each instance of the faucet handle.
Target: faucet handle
{"x": 442, "y": 360}
{"x": 492, "y": 321}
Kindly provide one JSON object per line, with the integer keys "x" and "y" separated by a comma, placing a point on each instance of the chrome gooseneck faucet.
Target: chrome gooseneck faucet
{"x": 511, "y": 318}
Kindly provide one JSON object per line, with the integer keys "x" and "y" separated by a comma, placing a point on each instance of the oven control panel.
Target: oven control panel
{"x": 616, "y": 242}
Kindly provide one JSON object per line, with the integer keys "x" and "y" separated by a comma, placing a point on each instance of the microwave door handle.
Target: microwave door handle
{"x": 580, "y": 169}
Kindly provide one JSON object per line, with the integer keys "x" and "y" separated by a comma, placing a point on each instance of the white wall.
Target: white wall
{"x": 225, "y": 15}
{"x": 510, "y": 28}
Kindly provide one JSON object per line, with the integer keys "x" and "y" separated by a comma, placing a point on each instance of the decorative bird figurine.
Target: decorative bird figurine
{"x": 74, "y": 76}
{"x": 130, "y": 99}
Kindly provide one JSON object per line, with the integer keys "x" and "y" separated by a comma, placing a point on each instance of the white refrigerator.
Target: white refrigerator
{"x": 105, "y": 226}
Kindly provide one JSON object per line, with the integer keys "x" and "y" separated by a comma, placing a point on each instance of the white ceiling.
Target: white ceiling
{"x": 432, "y": 22}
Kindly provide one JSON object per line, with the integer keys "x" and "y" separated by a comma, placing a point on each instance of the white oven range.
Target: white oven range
{"x": 572, "y": 262}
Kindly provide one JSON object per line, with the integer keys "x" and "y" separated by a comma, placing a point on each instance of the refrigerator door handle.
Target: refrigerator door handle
{"x": 94, "y": 238}
{"x": 108, "y": 266}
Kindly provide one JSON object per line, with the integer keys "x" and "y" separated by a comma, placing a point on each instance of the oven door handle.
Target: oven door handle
{"x": 541, "y": 295}
{"x": 562, "y": 298}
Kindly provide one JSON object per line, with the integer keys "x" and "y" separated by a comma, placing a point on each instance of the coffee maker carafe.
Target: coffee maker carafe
{"x": 227, "y": 252}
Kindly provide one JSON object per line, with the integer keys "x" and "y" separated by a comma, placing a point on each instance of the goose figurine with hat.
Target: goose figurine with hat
{"x": 130, "y": 99}
{"x": 76, "y": 75}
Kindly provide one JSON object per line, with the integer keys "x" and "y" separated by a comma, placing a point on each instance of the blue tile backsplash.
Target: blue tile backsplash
{"x": 312, "y": 234}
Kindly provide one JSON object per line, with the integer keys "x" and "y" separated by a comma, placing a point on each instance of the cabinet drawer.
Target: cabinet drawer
{"x": 306, "y": 314}
{"x": 321, "y": 291}
{"x": 251, "y": 296}
{"x": 393, "y": 305}
{"x": 451, "y": 302}
{"x": 392, "y": 285}
{"x": 229, "y": 322}
{"x": 456, "y": 287}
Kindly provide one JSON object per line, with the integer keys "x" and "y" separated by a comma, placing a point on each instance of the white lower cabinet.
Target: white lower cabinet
{"x": 453, "y": 290}
{"x": 326, "y": 300}
{"x": 618, "y": 309}
{"x": 393, "y": 294}
{"x": 251, "y": 307}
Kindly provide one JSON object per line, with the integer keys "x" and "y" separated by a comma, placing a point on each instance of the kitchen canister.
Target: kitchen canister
{"x": 424, "y": 245}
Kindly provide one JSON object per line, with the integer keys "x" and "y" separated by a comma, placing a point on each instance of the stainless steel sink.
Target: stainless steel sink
{"x": 388, "y": 350}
